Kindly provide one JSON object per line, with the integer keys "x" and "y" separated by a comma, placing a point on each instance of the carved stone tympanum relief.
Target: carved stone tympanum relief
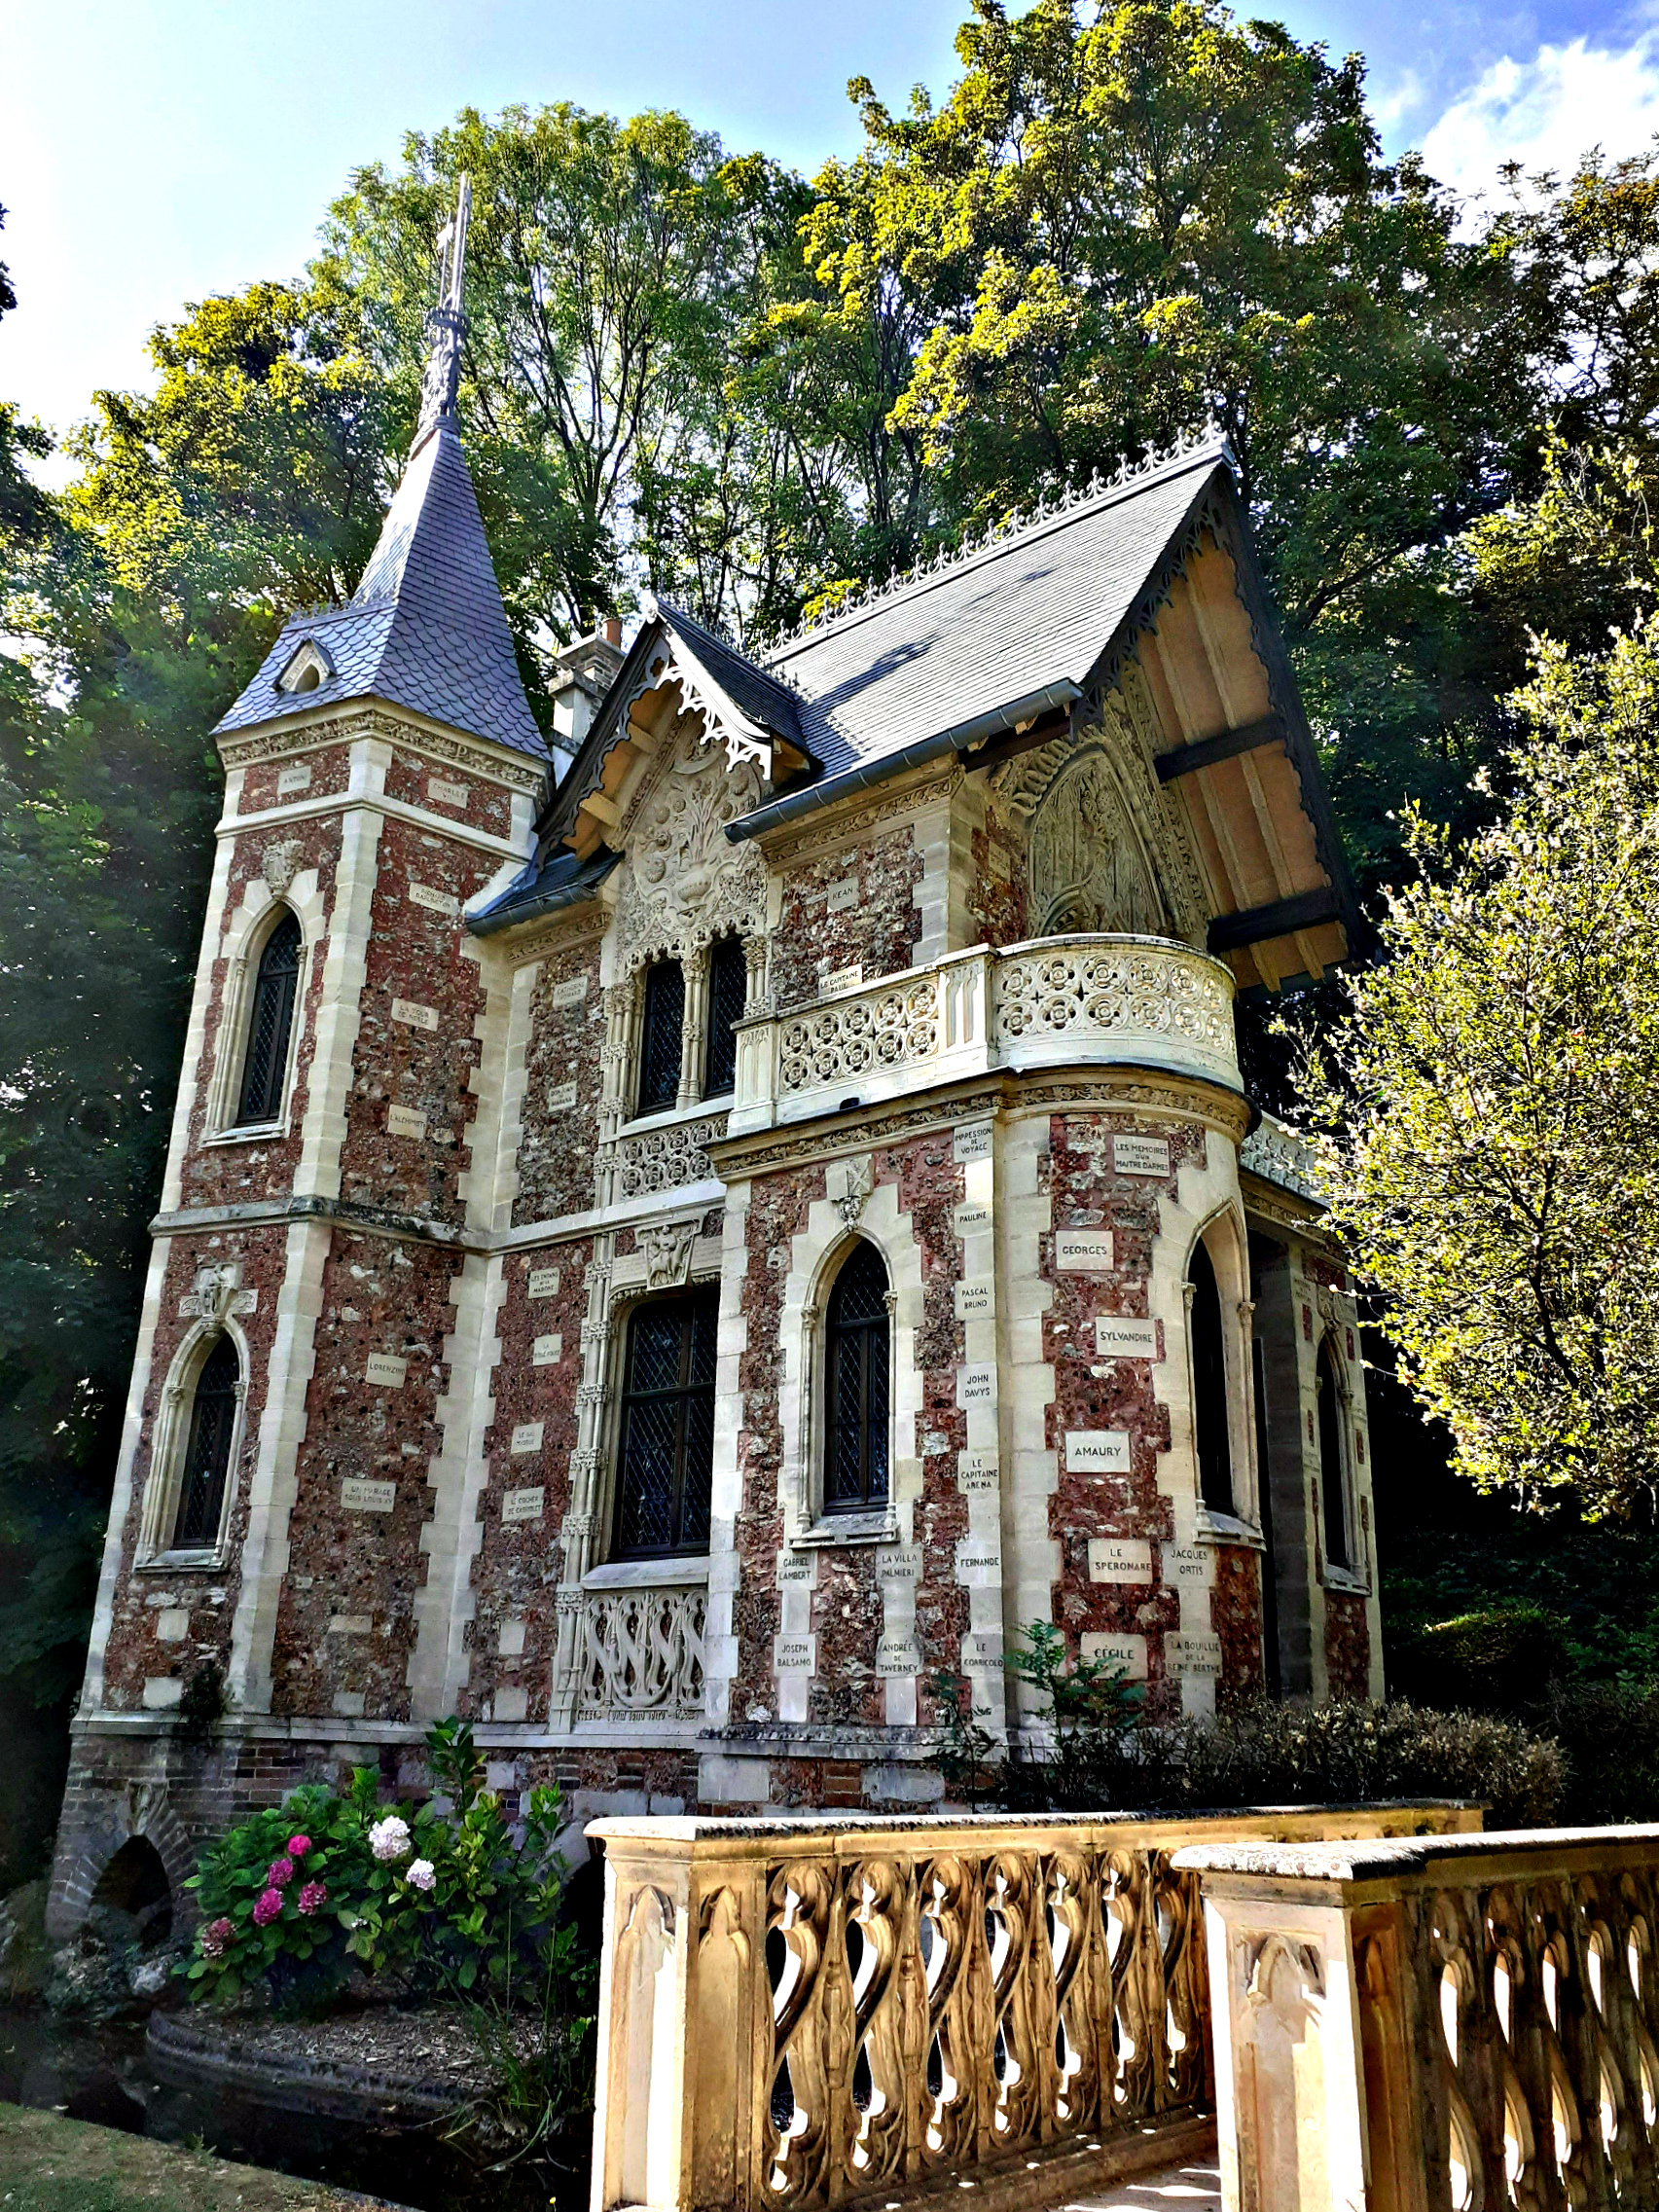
{"x": 1089, "y": 868}
{"x": 686, "y": 884}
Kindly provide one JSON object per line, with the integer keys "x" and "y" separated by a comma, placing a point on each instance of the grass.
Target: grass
{"x": 52, "y": 2164}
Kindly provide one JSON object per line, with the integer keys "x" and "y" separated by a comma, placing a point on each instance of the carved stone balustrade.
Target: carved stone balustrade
{"x": 1056, "y": 1003}
{"x": 804, "y": 2011}
{"x": 639, "y": 1654}
{"x": 1437, "y": 2025}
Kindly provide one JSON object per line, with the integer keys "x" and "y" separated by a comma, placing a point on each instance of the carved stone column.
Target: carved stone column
{"x": 617, "y": 1061}
{"x": 695, "y": 968}
{"x": 581, "y": 1538}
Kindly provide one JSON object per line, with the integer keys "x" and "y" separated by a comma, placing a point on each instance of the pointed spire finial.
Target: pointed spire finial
{"x": 445, "y": 322}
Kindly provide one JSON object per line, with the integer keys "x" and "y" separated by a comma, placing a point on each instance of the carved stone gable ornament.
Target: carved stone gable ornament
{"x": 280, "y": 864}
{"x": 217, "y": 1295}
{"x": 858, "y": 1182}
{"x": 667, "y": 1255}
{"x": 686, "y": 884}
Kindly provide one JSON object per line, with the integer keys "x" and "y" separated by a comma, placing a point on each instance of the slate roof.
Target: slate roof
{"x": 426, "y": 627}
{"x": 757, "y": 695}
{"x": 1028, "y": 611}
{"x": 543, "y": 887}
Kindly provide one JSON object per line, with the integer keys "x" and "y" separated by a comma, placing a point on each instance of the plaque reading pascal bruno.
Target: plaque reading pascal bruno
{"x": 445, "y": 793}
{"x": 1116, "y": 1337}
{"x": 572, "y": 992}
{"x": 358, "y": 1495}
{"x": 387, "y": 1370}
{"x": 543, "y": 1281}
{"x": 547, "y": 1351}
{"x": 292, "y": 780}
{"x": 976, "y": 1386}
{"x": 972, "y": 1300}
{"x": 1083, "y": 1252}
{"x": 1097, "y": 1451}
{"x": 403, "y": 1121}
{"x": 1141, "y": 1155}
{"x": 523, "y": 1505}
{"x": 413, "y": 1016}
{"x": 435, "y": 901}
{"x": 842, "y": 895}
{"x": 972, "y": 1142}
{"x": 527, "y": 1436}
{"x": 1120, "y": 1559}
{"x": 561, "y": 1098}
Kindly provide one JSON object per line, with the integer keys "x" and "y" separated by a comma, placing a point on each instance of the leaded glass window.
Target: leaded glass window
{"x": 667, "y": 1457}
{"x": 1210, "y": 1386}
{"x": 728, "y": 995}
{"x": 1332, "y": 1474}
{"x": 660, "y": 1036}
{"x": 207, "y": 1451}
{"x": 855, "y": 1440}
{"x": 265, "y": 1070}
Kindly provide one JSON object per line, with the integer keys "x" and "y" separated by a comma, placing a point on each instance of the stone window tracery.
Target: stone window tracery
{"x": 271, "y": 1025}
{"x": 857, "y": 1343}
{"x": 662, "y": 1025}
{"x": 1210, "y": 1414}
{"x": 728, "y": 996}
{"x": 207, "y": 1450}
{"x": 666, "y": 1443}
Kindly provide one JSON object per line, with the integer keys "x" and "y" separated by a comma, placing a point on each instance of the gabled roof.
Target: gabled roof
{"x": 426, "y": 627}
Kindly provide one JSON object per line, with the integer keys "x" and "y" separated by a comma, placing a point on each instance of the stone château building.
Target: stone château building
{"x": 675, "y": 1238}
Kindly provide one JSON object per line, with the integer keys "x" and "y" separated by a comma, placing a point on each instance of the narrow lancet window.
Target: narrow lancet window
{"x": 1209, "y": 1387}
{"x": 265, "y": 1069}
{"x": 728, "y": 995}
{"x": 855, "y": 1440}
{"x": 207, "y": 1452}
{"x": 1333, "y": 1475}
{"x": 660, "y": 1036}
{"x": 666, "y": 1458}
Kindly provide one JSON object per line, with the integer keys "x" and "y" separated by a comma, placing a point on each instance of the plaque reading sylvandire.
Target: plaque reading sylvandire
{"x": 527, "y": 1436}
{"x": 1120, "y": 1559}
{"x": 1097, "y": 1451}
{"x": 972, "y": 1300}
{"x": 358, "y": 1495}
{"x": 1141, "y": 1155}
{"x": 523, "y": 1505}
{"x": 1083, "y": 1252}
{"x": 1117, "y": 1337}
{"x": 385, "y": 1368}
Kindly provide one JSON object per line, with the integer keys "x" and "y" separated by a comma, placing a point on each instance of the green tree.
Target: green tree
{"x": 1485, "y": 1102}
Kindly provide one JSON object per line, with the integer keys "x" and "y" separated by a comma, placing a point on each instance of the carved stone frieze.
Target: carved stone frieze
{"x": 836, "y": 825}
{"x": 486, "y": 762}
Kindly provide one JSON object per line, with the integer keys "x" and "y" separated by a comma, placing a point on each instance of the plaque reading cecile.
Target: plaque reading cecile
{"x": 1126, "y": 1651}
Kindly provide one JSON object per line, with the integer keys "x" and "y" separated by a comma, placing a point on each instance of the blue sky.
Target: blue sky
{"x": 156, "y": 151}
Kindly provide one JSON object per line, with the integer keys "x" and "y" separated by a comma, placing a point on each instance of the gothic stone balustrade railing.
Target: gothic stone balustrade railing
{"x": 641, "y": 1655}
{"x": 1055, "y": 1002}
{"x": 812, "y": 2010}
{"x": 1452, "y": 2024}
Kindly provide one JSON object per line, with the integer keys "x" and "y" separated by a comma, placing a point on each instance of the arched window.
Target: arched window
{"x": 855, "y": 1429}
{"x": 660, "y": 1036}
{"x": 1210, "y": 1386}
{"x": 1333, "y": 1474}
{"x": 265, "y": 1069}
{"x": 666, "y": 1456}
{"x": 207, "y": 1452}
{"x": 728, "y": 995}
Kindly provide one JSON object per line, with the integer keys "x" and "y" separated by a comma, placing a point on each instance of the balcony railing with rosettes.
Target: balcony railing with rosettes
{"x": 1055, "y": 1002}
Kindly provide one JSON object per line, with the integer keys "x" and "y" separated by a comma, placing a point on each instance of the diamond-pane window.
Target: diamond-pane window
{"x": 265, "y": 1070}
{"x": 667, "y": 1425}
{"x": 660, "y": 1036}
{"x": 1210, "y": 1386}
{"x": 728, "y": 995}
{"x": 207, "y": 1453}
{"x": 855, "y": 1440}
{"x": 1333, "y": 1474}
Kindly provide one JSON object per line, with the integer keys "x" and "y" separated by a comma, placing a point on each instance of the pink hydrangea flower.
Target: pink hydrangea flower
{"x": 421, "y": 1875}
{"x": 312, "y": 1897}
{"x": 279, "y": 1873}
{"x": 266, "y": 1907}
{"x": 298, "y": 1847}
{"x": 214, "y": 1937}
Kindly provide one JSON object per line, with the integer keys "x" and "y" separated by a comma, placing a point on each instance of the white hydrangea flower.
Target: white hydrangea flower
{"x": 421, "y": 1875}
{"x": 388, "y": 1838}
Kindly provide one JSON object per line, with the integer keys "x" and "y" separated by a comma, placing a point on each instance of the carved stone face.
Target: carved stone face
{"x": 1089, "y": 869}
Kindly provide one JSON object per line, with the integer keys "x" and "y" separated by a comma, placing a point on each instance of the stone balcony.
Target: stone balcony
{"x": 1072, "y": 1002}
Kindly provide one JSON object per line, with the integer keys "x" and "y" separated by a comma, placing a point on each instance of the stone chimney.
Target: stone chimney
{"x": 582, "y": 674}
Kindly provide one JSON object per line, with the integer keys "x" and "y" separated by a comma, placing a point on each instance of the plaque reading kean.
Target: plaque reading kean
{"x": 527, "y": 1436}
{"x": 523, "y": 1505}
{"x": 543, "y": 1283}
{"x": 1083, "y": 1252}
{"x": 1141, "y": 1155}
{"x": 1120, "y": 1559}
{"x": 358, "y": 1495}
{"x": 1097, "y": 1451}
{"x": 1117, "y": 1337}
{"x": 842, "y": 895}
{"x": 387, "y": 1370}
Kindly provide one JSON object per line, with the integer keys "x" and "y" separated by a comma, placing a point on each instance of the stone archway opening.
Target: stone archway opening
{"x": 134, "y": 1898}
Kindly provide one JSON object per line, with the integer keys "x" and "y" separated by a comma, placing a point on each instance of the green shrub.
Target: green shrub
{"x": 1500, "y": 1659}
{"x": 1610, "y": 1734}
{"x": 443, "y": 1899}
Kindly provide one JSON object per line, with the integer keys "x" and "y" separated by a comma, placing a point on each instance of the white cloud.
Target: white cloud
{"x": 1547, "y": 112}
